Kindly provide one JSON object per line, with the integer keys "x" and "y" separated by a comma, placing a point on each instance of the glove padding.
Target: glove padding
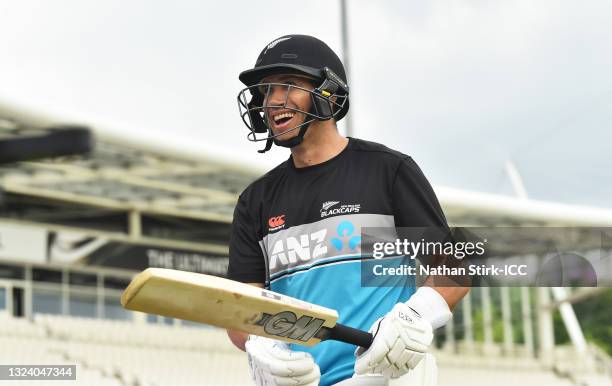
{"x": 273, "y": 363}
{"x": 401, "y": 339}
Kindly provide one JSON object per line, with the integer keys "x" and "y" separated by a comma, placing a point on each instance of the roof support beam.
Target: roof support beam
{"x": 134, "y": 224}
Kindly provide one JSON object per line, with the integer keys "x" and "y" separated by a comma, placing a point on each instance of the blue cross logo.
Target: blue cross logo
{"x": 345, "y": 229}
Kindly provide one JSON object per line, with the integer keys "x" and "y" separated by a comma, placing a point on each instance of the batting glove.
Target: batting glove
{"x": 272, "y": 363}
{"x": 403, "y": 336}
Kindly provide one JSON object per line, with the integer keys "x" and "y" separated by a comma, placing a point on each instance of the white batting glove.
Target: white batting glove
{"x": 403, "y": 336}
{"x": 401, "y": 339}
{"x": 272, "y": 363}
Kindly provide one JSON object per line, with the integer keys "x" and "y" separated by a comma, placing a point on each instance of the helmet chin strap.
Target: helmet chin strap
{"x": 288, "y": 143}
{"x": 294, "y": 141}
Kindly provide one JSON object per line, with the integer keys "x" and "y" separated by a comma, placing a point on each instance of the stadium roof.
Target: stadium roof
{"x": 119, "y": 177}
{"x": 125, "y": 188}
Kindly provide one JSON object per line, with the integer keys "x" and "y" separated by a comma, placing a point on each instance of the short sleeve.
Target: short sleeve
{"x": 414, "y": 202}
{"x": 246, "y": 260}
{"x": 416, "y": 206}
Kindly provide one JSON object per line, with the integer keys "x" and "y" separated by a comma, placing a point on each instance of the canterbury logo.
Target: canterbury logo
{"x": 277, "y": 221}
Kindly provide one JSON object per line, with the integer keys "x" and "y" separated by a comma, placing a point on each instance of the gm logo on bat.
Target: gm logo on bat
{"x": 287, "y": 324}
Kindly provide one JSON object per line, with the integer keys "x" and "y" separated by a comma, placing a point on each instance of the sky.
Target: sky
{"x": 462, "y": 87}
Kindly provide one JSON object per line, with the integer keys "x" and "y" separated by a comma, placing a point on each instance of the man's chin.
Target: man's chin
{"x": 287, "y": 137}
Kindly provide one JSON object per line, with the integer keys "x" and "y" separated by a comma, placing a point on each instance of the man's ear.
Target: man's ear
{"x": 310, "y": 83}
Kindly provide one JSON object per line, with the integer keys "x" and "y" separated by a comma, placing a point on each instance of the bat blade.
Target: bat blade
{"x": 228, "y": 304}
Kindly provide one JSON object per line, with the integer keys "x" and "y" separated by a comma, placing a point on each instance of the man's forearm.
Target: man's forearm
{"x": 239, "y": 338}
{"x": 452, "y": 289}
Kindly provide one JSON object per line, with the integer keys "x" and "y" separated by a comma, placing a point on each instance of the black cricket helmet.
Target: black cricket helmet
{"x": 300, "y": 55}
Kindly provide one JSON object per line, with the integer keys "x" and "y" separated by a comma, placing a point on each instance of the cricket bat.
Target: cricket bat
{"x": 237, "y": 306}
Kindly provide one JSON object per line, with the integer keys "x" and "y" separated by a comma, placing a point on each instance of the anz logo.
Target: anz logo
{"x": 345, "y": 237}
{"x": 301, "y": 248}
{"x": 295, "y": 250}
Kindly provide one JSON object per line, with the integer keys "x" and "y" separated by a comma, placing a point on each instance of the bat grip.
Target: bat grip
{"x": 351, "y": 335}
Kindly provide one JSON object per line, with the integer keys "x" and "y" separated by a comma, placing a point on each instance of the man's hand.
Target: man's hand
{"x": 401, "y": 339}
{"x": 272, "y": 363}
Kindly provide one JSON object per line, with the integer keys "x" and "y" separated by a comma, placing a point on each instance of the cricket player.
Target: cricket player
{"x": 296, "y": 230}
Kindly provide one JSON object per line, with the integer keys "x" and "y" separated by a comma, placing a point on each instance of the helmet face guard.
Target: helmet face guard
{"x": 328, "y": 100}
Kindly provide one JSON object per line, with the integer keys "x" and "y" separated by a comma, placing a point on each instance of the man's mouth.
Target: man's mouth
{"x": 282, "y": 121}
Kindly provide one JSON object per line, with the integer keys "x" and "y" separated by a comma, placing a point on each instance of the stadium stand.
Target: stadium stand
{"x": 115, "y": 353}
{"x": 130, "y": 354}
{"x": 23, "y": 342}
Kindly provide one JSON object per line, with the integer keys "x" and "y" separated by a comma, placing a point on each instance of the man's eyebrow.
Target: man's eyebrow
{"x": 285, "y": 77}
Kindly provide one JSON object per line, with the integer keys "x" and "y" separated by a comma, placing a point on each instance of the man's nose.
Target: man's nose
{"x": 277, "y": 95}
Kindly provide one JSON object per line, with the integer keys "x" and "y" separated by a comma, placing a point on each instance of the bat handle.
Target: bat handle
{"x": 351, "y": 335}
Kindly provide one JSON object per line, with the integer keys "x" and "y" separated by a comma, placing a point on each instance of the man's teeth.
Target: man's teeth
{"x": 282, "y": 116}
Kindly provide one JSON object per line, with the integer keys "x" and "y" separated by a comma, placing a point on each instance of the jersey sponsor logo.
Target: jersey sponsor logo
{"x": 328, "y": 204}
{"x": 288, "y": 251}
{"x": 287, "y": 324}
{"x": 342, "y": 209}
{"x": 345, "y": 237}
{"x": 327, "y": 240}
{"x": 276, "y": 223}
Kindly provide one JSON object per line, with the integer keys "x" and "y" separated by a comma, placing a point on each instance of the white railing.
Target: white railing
{"x": 485, "y": 326}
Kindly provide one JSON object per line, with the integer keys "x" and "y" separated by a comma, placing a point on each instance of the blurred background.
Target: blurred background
{"x": 505, "y": 105}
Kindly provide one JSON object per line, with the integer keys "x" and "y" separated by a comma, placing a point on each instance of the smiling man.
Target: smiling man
{"x": 296, "y": 230}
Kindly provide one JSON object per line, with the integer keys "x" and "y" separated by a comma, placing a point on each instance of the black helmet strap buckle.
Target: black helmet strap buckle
{"x": 330, "y": 86}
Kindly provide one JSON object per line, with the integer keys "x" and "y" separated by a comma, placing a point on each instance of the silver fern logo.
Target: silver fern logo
{"x": 274, "y": 43}
{"x": 328, "y": 204}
